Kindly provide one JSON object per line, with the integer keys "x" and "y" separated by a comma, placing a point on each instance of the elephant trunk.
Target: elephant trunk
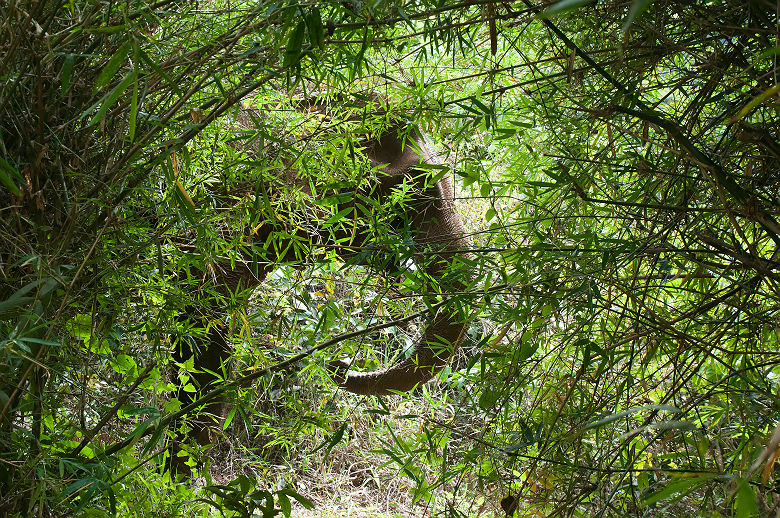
{"x": 439, "y": 230}
{"x": 430, "y": 355}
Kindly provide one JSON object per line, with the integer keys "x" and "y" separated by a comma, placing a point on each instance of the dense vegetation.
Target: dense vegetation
{"x": 618, "y": 165}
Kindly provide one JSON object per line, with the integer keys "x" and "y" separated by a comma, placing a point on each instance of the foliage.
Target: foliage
{"x": 618, "y": 164}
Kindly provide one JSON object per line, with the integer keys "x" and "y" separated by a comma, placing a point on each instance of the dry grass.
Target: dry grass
{"x": 355, "y": 480}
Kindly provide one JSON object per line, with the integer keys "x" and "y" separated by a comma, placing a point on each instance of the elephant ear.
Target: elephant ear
{"x": 440, "y": 236}
{"x": 398, "y": 151}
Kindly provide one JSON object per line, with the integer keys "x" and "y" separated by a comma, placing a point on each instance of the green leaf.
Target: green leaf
{"x": 305, "y": 502}
{"x": 334, "y": 199}
{"x": 108, "y": 100}
{"x": 357, "y": 63}
{"x": 316, "y": 28}
{"x": 113, "y": 29}
{"x": 562, "y": 7}
{"x": 335, "y": 439}
{"x": 155, "y": 438}
{"x": 111, "y": 68}
{"x": 20, "y": 297}
{"x": 484, "y": 109}
{"x": 284, "y": 503}
{"x": 76, "y": 486}
{"x": 662, "y": 426}
{"x": 67, "y": 72}
{"x": 133, "y": 108}
{"x": 504, "y": 133}
{"x": 6, "y": 172}
{"x": 637, "y": 8}
{"x": 488, "y": 398}
{"x": 229, "y": 418}
{"x": 80, "y": 326}
{"x": 141, "y": 428}
{"x": 528, "y": 347}
{"x": 745, "y": 505}
{"x": 125, "y": 365}
{"x": 614, "y": 417}
{"x": 294, "y": 45}
{"x": 682, "y": 485}
{"x": 146, "y": 59}
{"x": 337, "y": 217}
{"x": 140, "y": 411}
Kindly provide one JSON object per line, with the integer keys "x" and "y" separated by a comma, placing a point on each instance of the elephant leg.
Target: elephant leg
{"x": 211, "y": 355}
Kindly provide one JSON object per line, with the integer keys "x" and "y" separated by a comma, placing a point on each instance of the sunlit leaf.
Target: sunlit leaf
{"x": 625, "y": 413}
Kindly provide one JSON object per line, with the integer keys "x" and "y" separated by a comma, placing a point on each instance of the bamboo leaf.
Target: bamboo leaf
{"x": 316, "y": 28}
{"x": 745, "y": 504}
{"x": 67, "y": 72}
{"x": 305, "y": 502}
{"x": 109, "y": 100}
{"x": 755, "y": 102}
{"x": 111, "y": 68}
{"x": 294, "y": 45}
{"x": 637, "y": 8}
{"x": 149, "y": 61}
{"x": 682, "y": 485}
{"x": 614, "y": 417}
{"x": 6, "y": 172}
{"x": 337, "y": 217}
{"x": 563, "y": 7}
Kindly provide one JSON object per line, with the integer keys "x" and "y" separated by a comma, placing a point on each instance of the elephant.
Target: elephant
{"x": 399, "y": 155}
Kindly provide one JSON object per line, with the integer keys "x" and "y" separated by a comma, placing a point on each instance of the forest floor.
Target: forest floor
{"x": 356, "y": 478}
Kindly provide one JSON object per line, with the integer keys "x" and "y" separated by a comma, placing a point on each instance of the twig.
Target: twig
{"x": 113, "y": 411}
{"x": 247, "y": 379}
